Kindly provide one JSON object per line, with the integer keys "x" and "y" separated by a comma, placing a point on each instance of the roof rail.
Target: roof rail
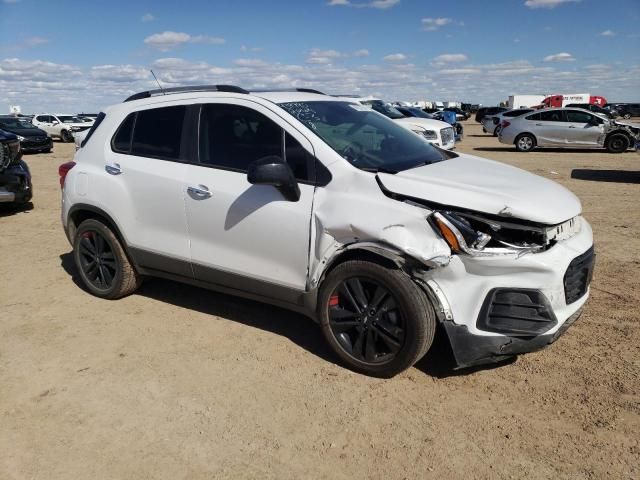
{"x": 301, "y": 90}
{"x": 194, "y": 88}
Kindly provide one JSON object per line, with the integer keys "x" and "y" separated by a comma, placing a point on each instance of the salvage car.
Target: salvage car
{"x": 317, "y": 204}
{"x": 32, "y": 139}
{"x": 15, "y": 177}
{"x": 568, "y": 128}
{"x": 61, "y": 126}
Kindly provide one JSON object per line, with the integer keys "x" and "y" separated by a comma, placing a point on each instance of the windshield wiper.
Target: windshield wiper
{"x": 378, "y": 170}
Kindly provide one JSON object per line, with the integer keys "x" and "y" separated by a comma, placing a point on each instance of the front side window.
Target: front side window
{"x": 364, "y": 138}
{"x": 578, "y": 117}
{"x": 158, "y": 133}
{"x": 69, "y": 119}
{"x": 232, "y": 137}
{"x": 386, "y": 110}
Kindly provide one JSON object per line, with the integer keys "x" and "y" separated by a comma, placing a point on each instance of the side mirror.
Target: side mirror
{"x": 273, "y": 171}
{"x": 54, "y": 122}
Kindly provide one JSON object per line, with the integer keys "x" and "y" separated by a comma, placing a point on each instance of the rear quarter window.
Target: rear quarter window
{"x": 157, "y": 133}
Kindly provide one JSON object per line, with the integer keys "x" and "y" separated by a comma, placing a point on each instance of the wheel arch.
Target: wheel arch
{"x": 535, "y": 139}
{"x": 83, "y": 211}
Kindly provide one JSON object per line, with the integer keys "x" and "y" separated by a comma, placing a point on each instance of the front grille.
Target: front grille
{"x": 447, "y": 135}
{"x": 578, "y": 276}
{"x": 516, "y": 311}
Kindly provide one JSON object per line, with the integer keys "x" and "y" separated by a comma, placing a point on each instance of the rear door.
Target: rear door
{"x": 550, "y": 128}
{"x": 44, "y": 122}
{"x": 584, "y": 128}
{"x": 243, "y": 236}
{"x": 145, "y": 183}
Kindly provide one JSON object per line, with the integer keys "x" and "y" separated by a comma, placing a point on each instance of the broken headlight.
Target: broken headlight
{"x": 481, "y": 237}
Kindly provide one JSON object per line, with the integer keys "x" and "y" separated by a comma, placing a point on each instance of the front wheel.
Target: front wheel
{"x": 617, "y": 143}
{"x": 66, "y": 136}
{"x": 525, "y": 142}
{"x": 376, "y": 319}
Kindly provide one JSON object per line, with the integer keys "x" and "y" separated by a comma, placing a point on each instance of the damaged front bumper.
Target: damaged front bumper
{"x": 15, "y": 184}
{"x": 494, "y": 308}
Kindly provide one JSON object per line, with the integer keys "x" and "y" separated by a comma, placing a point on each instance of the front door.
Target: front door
{"x": 550, "y": 128}
{"x": 584, "y": 128}
{"x": 243, "y": 236}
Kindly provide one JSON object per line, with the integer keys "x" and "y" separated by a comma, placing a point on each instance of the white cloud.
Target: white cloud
{"x": 560, "y": 57}
{"x": 244, "y": 48}
{"x": 35, "y": 41}
{"x": 433, "y": 24}
{"x": 147, "y": 17}
{"x": 169, "y": 40}
{"x": 323, "y": 57}
{"x": 380, "y": 4}
{"x": 450, "y": 58}
{"x": 608, "y": 33}
{"x": 119, "y": 73}
{"x": 395, "y": 57}
{"x": 547, "y": 3}
{"x": 361, "y": 53}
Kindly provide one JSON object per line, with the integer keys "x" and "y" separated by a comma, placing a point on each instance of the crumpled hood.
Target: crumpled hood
{"x": 482, "y": 185}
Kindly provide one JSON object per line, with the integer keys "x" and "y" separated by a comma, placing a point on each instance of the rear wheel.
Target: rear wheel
{"x": 104, "y": 268}
{"x": 376, "y": 319}
{"x": 617, "y": 143}
{"x": 525, "y": 142}
{"x": 66, "y": 136}
{"x": 496, "y": 132}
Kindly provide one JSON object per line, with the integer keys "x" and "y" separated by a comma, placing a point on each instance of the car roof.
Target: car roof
{"x": 287, "y": 97}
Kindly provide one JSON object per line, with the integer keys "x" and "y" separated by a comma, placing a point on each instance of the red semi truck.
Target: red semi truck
{"x": 563, "y": 100}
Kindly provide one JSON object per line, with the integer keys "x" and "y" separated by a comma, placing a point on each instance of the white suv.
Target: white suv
{"x": 60, "y": 125}
{"x": 318, "y": 205}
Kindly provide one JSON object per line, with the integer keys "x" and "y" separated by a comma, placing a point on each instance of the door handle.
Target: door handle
{"x": 199, "y": 191}
{"x": 572, "y": 127}
{"x": 113, "y": 168}
{"x": 539, "y": 125}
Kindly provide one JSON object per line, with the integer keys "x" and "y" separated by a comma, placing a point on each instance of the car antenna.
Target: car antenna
{"x": 158, "y": 82}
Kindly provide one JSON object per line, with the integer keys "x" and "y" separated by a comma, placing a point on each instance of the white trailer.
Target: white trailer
{"x": 524, "y": 101}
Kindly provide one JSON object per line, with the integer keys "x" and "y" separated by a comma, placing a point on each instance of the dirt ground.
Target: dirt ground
{"x": 175, "y": 382}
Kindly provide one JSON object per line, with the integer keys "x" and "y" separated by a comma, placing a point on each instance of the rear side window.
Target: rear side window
{"x": 121, "y": 141}
{"x": 535, "y": 116}
{"x": 157, "y": 133}
{"x": 552, "y": 116}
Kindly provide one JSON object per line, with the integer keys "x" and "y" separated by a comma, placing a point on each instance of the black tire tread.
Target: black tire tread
{"x": 129, "y": 280}
{"x": 407, "y": 292}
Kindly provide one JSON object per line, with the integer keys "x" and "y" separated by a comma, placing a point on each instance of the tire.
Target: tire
{"x": 525, "y": 142}
{"x": 398, "y": 327}
{"x": 92, "y": 238}
{"x": 496, "y": 132}
{"x": 617, "y": 143}
{"x": 66, "y": 136}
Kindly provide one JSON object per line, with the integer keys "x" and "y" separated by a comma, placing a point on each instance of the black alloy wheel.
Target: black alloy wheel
{"x": 97, "y": 260}
{"x": 66, "y": 136}
{"x": 366, "y": 321}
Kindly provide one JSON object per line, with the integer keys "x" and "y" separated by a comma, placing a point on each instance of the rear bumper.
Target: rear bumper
{"x": 29, "y": 146}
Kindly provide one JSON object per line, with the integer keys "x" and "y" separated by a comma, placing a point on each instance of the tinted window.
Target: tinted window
{"x": 515, "y": 113}
{"x": 158, "y": 132}
{"x": 578, "y": 117}
{"x": 232, "y": 136}
{"x": 535, "y": 116}
{"x": 122, "y": 139}
{"x": 552, "y": 116}
{"x": 297, "y": 157}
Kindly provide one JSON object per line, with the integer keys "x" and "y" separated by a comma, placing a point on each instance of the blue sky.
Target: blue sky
{"x": 84, "y": 55}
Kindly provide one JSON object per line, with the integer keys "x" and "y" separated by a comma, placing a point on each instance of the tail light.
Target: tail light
{"x": 505, "y": 124}
{"x": 63, "y": 170}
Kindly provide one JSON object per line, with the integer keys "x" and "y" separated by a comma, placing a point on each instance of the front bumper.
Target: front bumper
{"x": 537, "y": 296}
{"x": 29, "y": 146}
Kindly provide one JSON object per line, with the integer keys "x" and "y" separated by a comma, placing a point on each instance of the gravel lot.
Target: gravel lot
{"x": 176, "y": 382}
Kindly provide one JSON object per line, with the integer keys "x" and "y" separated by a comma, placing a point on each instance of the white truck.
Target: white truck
{"x": 525, "y": 101}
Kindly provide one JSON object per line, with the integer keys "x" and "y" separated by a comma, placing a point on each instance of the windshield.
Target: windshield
{"x": 69, "y": 119}
{"x": 419, "y": 113}
{"x": 383, "y": 108}
{"x": 363, "y": 137}
{"x": 14, "y": 123}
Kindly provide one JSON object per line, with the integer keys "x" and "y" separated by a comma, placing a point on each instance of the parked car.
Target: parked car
{"x": 461, "y": 115}
{"x": 15, "y": 177}
{"x": 482, "y": 111}
{"x": 627, "y": 110}
{"x": 603, "y": 112}
{"x": 413, "y": 112}
{"x": 321, "y": 206}
{"x": 32, "y": 139}
{"x": 60, "y": 126}
{"x": 493, "y": 123}
{"x": 568, "y": 127}
{"x": 434, "y": 131}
